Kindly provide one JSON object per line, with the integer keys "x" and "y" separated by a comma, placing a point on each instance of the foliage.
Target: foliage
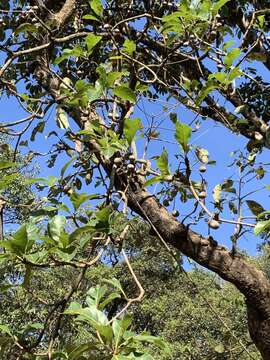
{"x": 86, "y": 76}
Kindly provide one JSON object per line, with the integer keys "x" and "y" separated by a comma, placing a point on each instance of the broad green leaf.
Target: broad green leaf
{"x": 129, "y": 46}
{"x": 131, "y": 126}
{"x": 115, "y": 283}
{"x": 182, "y": 134}
{"x": 61, "y": 118}
{"x": 261, "y": 226}
{"x": 95, "y": 294}
{"x": 145, "y": 337}
{"x": 119, "y": 328}
{"x": 56, "y": 226}
{"x": 262, "y": 215}
{"x": 75, "y": 353}
{"x": 81, "y": 232}
{"x": 125, "y": 93}
{"x": 218, "y": 5}
{"x": 113, "y": 76}
{"x": 23, "y": 239}
{"x": 91, "y": 41}
{"x": 204, "y": 92}
{"x": 91, "y": 314}
{"x": 231, "y": 56}
{"x": 162, "y": 163}
{"x": 96, "y": 6}
{"x": 112, "y": 296}
{"x": 76, "y": 52}
{"x": 7, "y": 164}
{"x": 219, "y": 76}
{"x": 255, "y": 207}
{"x": 7, "y": 180}
{"x": 236, "y": 72}
{"x": 78, "y": 199}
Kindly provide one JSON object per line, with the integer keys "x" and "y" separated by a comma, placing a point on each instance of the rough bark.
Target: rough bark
{"x": 205, "y": 251}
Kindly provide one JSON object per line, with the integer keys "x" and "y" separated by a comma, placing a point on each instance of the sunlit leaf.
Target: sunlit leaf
{"x": 125, "y": 93}
{"x": 182, "y": 134}
{"x": 131, "y": 126}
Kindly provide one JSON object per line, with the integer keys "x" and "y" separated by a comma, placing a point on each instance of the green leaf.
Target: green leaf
{"x": 7, "y": 164}
{"x": 109, "y": 299}
{"x": 125, "y": 93}
{"x": 91, "y": 17}
{"x": 26, "y": 27}
{"x": 91, "y": 314}
{"x": 78, "y": 199}
{"x": 7, "y": 180}
{"x": 255, "y": 207}
{"x": 64, "y": 168}
{"x": 145, "y": 337}
{"x": 228, "y": 44}
{"x": 119, "y": 327}
{"x": 91, "y": 41}
{"x": 23, "y": 239}
{"x": 153, "y": 180}
{"x": 261, "y": 21}
{"x": 113, "y": 76}
{"x": 95, "y": 294}
{"x": 131, "y": 126}
{"x": 261, "y": 226}
{"x": 219, "y": 76}
{"x": 182, "y": 134}
{"x": 236, "y": 72}
{"x": 218, "y": 5}
{"x": 129, "y": 46}
{"x": 56, "y": 226}
{"x": 115, "y": 283}
{"x": 96, "y": 6}
{"x": 162, "y": 163}
{"x": 5, "y": 329}
{"x": 204, "y": 92}
{"x": 76, "y": 52}
{"x": 80, "y": 349}
{"x": 61, "y": 118}
{"x": 231, "y": 56}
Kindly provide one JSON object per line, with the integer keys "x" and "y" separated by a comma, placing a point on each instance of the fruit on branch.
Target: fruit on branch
{"x": 213, "y": 224}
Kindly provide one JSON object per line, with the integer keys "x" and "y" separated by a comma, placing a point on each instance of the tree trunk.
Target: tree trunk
{"x": 205, "y": 251}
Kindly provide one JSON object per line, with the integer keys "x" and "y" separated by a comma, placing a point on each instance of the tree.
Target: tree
{"x": 95, "y": 63}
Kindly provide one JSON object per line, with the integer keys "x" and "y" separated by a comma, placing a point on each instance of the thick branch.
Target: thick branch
{"x": 67, "y": 10}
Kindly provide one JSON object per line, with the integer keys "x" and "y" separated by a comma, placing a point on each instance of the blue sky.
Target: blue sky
{"x": 219, "y": 141}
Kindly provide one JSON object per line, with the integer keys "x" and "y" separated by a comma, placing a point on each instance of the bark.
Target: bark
{"x": 250, "y": 281}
